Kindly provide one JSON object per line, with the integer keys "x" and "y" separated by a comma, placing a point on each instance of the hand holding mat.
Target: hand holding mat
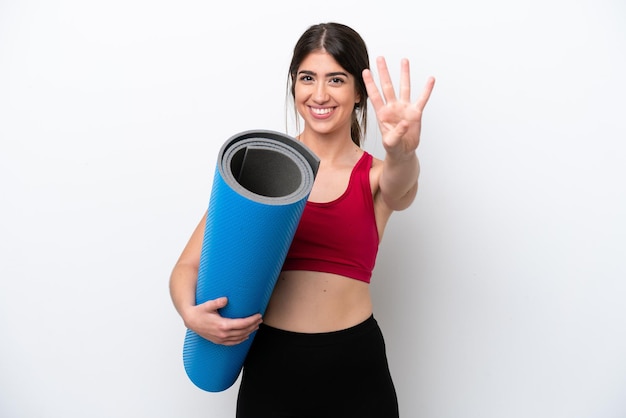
{"x": 261, "y": 184}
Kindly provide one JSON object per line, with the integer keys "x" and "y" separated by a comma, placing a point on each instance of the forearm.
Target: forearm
{"x": 398, "y": 180}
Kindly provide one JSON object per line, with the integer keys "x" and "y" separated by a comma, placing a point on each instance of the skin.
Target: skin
{"x": 306, "y": 301}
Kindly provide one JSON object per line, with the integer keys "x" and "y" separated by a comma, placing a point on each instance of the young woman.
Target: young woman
{"x": 318, "y": 351}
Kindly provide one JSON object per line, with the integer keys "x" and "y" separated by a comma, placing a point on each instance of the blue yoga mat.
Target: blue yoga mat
{"x": 261, "y": 184}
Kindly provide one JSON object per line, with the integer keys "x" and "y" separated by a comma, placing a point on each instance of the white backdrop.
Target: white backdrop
{"x": 500, "y": 291}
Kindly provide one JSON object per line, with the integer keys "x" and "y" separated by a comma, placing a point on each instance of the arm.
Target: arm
{"x": 204, "y": 319}
{"x": 400, "y": 123}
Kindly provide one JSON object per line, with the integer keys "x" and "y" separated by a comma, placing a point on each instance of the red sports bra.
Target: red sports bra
{"x": 341, "y": 236}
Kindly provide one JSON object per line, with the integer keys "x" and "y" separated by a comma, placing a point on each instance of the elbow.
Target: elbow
{"x": 401, "y": 202}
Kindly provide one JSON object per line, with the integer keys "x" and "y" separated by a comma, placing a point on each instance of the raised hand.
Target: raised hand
{"x": 399, "y": 120}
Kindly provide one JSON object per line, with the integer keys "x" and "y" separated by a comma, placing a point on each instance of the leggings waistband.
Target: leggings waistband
{"x": 317, "y": 338}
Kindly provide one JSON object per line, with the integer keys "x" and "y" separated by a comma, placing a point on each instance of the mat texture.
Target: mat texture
{"x": 261, "y": 184}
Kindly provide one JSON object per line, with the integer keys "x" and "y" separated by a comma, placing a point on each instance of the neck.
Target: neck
{"x": 329, "y": 148}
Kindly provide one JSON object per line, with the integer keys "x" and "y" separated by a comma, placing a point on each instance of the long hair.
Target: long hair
{"x": 347, "y": 47}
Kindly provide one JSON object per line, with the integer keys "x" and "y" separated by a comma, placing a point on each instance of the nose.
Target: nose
{"x": 320, "y": 95}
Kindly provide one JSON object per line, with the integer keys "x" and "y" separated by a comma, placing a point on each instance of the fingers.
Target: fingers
{"x": 386, "y": 84}
{"x": 221, "y": 330}
{"x": 405, "y": 80}
{"x": 372, "y": 91}
{"x": 377, "y": 99}
{"x": 236, "y": 331}
{"x": 428, "y": 89}
{"x": 215, "y": 304}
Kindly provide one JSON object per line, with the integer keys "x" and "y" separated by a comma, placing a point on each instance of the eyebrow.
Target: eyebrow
{"x": 333, "y": 74}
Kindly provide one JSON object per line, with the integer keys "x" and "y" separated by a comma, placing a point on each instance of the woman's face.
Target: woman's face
{"x": 325, "y": 94}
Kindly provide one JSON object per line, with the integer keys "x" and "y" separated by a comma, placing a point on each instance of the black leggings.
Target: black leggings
{"x": 334, "y": 374}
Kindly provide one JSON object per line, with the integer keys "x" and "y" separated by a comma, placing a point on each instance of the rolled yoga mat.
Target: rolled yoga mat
{"x": 261, "y": 184}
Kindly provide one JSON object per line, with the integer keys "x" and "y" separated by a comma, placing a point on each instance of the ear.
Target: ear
{"x": 357, "y": 96}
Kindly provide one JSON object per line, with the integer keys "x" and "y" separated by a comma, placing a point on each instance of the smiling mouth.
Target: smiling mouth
{"x": 324, "y": 111}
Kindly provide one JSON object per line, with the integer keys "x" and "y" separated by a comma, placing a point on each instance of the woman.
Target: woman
{"x": 318, "y": 351}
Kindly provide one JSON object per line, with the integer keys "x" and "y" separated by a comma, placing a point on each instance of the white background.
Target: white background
{"x": 500, "y": 291}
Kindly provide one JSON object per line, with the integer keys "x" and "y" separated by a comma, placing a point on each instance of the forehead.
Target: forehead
{"x": 321, "y": 62}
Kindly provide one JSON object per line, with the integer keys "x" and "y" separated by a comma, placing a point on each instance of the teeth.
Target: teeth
{"x": 322, "y": 111}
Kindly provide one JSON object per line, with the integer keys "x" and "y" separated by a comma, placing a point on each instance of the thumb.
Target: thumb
{"x": 215, "y": 304}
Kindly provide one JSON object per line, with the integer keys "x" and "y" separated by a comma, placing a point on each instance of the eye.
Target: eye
{"x": 337, "y": 80}
{"x": 306, "y": 78}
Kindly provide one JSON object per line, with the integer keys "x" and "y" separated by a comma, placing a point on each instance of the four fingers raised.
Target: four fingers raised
{"x": 387, "y": 92}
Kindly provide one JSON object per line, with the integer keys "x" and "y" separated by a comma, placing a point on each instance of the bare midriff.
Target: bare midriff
{"x": 311, "y": 302}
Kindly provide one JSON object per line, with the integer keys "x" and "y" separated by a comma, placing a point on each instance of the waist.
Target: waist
{"x": 310, "y": 301}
